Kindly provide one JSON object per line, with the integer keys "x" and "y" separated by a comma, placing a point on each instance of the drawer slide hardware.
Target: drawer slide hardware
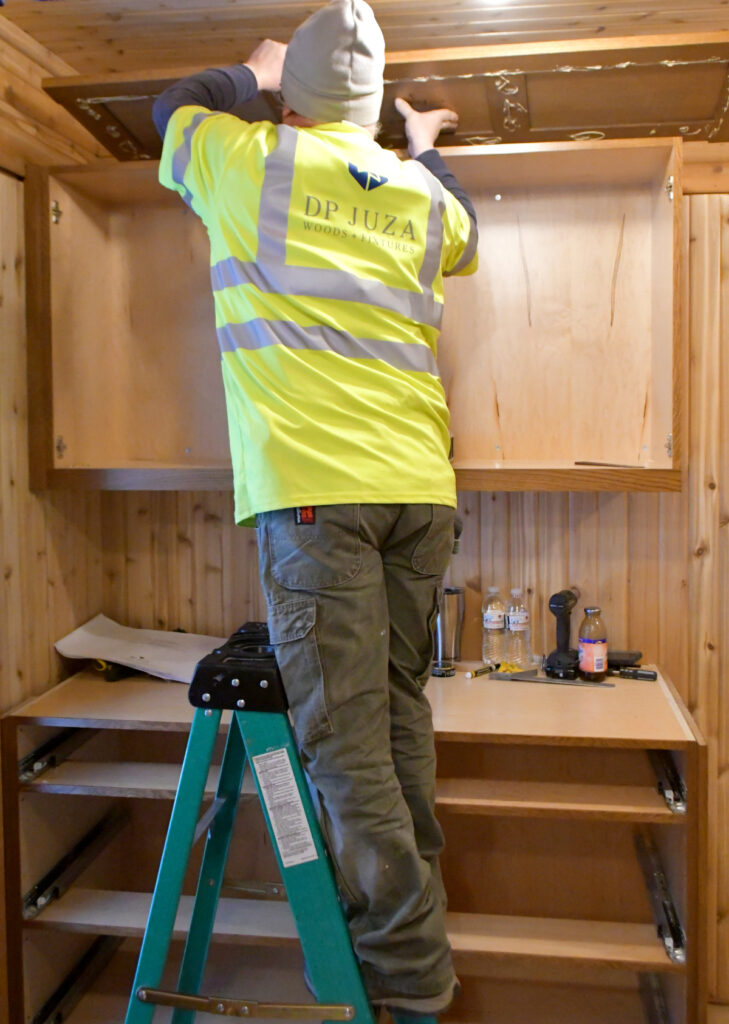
{"x": 246, "y": 1007}
{"x": 65, "y": 871}
{"x": 51, "y": 753}
{"x": 653, "y": 1000}
{"x": 664, "y": 909}
{"x": 60, "y": 1004}
{"x": 670, "y": 784}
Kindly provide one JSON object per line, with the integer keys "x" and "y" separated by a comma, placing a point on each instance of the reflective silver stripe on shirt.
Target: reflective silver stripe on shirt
{"x": 325, "y": 284}
{"x": 434, "y": 237}
{"x": 183, "y": 154}
{"x": 468, "y": 253}
{"x": 257, "y": 334}
{"x": 273, "y": 208}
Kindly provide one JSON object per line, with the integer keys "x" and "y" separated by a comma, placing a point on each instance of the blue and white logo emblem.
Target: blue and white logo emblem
{"x": 365, "y": 179}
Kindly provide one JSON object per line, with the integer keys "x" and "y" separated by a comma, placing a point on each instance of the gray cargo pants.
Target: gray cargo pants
{"x": 352, "y": 600}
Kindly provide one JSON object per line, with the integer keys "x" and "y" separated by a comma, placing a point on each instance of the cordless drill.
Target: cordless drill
{"x": 563, "y": 661}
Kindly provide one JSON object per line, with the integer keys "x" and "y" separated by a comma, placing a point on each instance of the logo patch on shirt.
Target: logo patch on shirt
{"x": 305, "y": 515}
{"x": 366, "y": 179}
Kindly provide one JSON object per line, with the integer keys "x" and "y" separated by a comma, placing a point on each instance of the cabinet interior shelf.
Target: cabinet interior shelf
{"x": 505, "y": 476}
{"x": 554, "y": 799}
{"x": 633, "y": 946}
{"x": 509, "y": 477}
{"x": 610, "y": 999}
{"x": 130, "y": 779}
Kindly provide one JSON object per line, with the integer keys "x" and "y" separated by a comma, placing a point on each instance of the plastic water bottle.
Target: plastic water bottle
{"x": 493, "y": 625}
{"x": 518, "y": 632}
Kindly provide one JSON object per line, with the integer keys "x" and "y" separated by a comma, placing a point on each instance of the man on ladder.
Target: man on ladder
{"x": 327, "y": 262}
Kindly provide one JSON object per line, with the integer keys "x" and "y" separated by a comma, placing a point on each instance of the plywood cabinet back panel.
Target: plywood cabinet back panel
{"x": 560, "y": 348}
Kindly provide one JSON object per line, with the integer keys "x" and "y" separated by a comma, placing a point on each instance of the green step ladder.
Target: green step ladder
{"x": 242, "y": 676}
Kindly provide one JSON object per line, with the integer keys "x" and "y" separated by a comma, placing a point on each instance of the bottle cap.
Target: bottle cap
{"x": 592, "y": 611}
{"x": 493, "y": 590}
{"x": 516, "y": 591}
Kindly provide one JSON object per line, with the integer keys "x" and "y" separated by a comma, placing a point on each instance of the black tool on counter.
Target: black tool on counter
{"x": 563, "y": 661}
{"x": 623, "y": 659}
{"x": 633, "y": 673}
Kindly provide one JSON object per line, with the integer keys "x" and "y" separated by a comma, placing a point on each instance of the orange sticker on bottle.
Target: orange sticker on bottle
{"x": 593, "y": 655}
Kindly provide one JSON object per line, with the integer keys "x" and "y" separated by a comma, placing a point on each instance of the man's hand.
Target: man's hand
{"x": 266, "y": 63}
{"x": 422, "y": 128}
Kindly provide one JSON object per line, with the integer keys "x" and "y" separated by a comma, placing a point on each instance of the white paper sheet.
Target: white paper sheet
{"x": 158, "y": 652}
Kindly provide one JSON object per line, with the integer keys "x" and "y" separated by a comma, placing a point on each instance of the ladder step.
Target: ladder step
{"x": 474, "y": 936}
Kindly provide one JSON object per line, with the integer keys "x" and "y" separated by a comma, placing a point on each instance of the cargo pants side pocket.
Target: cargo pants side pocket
{"x": 293, "y": 634}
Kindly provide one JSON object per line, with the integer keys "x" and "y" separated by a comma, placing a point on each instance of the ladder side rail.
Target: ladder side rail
{"x": 217, "y": 845}
{"x": 173, "y": 864}
{"x": 305, "y": 867}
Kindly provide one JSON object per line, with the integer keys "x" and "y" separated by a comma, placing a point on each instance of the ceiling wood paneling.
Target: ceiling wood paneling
{"x": 99, "y": 37}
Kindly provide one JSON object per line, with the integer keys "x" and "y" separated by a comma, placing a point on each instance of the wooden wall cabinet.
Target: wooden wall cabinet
{"x": 546, "y": 793}
{"x": 561, "y": 357}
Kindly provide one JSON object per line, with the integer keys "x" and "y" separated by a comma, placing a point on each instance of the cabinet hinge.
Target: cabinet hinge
{"x": 669, "y": 445}
{"x": 61, "y": 446}
{"x": 56, "y": 212}
{"x": 669, "y": 188}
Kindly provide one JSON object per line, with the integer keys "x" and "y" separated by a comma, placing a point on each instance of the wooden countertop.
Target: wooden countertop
{"x": 631, "y": 713}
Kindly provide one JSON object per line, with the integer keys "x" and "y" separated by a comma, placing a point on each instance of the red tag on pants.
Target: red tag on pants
{"x": 305, "y": 515}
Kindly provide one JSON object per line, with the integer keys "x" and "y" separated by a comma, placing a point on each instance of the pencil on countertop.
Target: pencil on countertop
{"x": 472, "y": 673}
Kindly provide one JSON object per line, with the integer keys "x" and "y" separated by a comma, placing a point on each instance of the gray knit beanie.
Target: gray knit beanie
{"x": 334, "y": 65}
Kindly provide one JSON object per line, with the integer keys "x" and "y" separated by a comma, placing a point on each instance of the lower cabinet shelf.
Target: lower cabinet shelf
{"x": 482, "y": 936}
{"x": 511, "y": 997}
{"x": 554, "y": 799}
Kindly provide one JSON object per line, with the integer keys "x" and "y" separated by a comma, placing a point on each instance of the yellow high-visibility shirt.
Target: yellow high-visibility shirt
{"x": 327, "y": 262}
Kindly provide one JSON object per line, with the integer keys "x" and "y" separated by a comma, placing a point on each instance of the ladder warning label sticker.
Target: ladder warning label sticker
{"x": 285, "y": 808}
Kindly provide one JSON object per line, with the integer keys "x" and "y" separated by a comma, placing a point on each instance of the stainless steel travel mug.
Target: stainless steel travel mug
{"x": 447, "y": 639}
